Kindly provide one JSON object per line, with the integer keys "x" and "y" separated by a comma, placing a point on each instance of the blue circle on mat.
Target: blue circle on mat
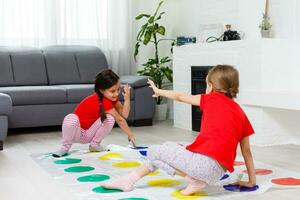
{"x": 224, "y": 177}
{"x": 236, "y": 188}
{"x": 143, "y": 153}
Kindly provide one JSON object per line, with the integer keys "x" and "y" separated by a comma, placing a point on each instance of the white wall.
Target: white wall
{"x": 183, "y": 17}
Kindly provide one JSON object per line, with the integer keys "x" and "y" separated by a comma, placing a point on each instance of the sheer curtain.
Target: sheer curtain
{"x": 103, "y": 23}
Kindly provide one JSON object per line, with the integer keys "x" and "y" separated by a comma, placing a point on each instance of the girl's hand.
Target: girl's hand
{"x": 244, "y": 184}
{"x": 131, "y": 139}
{"x": 126, "y": 92}
{"x": 154, "y": 88}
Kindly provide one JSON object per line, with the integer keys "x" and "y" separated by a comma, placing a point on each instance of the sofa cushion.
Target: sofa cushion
{"x": 76, "y": 93}
{"x": 6, "y": 75}
{"x": 33, "y": 95}
{"x": 61, "y": 68}
{"x": 26, "y": 64}
{"x": 90, "y": 63}
{"x": 73, "y": 64}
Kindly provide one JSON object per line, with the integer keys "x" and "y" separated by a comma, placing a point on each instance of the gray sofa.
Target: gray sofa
{"x": 38, "y": 87}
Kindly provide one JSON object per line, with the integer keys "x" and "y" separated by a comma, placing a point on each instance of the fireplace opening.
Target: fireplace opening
{"x": 199, "y": 74}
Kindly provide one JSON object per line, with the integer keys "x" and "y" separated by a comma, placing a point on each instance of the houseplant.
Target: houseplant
{"x": 265, "y": 25}
{"x": 157, "y": 67}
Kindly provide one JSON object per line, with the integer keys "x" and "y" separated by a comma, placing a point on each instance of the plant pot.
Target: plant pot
{"x": 161, "y": 112}
{"x": 265, "y": 33}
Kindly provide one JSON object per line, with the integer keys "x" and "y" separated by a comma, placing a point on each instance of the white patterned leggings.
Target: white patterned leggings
{"x": 171, "y": 156}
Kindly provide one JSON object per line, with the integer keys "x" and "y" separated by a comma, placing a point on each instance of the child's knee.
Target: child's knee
{"x": 110, "y": 119}
{"x": 164, "y": 166}
{"x": 71, "y": 120}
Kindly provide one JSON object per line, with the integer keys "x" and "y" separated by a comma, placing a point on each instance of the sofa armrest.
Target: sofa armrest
{"x": 5, "y": 104}
{"x": 134, "y": 81}
{"x": 143, "y": 103}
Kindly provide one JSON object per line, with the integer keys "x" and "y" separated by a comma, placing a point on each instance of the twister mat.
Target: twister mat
{"x": 81, "y": 171}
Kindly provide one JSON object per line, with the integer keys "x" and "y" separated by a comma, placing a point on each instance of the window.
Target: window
{"x": 53, "y": 19}
{"x": 22, "y": 18}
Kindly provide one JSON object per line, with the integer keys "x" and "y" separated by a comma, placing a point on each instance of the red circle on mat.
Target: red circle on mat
{"x": 238, "y": 163}
{"x": 261, "y": 171}
{"x": 286, "y": 181}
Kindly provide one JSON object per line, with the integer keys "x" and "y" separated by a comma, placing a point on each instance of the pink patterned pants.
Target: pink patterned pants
{"x": 73, "y": 133}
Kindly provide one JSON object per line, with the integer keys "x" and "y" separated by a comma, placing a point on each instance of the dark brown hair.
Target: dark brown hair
{"x": 104, "y": 80}
{"x": 225, "y": 79}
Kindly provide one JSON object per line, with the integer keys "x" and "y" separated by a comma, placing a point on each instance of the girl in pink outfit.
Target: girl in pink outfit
{"x": 94, "y": 117}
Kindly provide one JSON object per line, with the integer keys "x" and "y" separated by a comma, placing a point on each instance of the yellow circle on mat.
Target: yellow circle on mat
{"x": 163, "y": 183}
{"x": 154, "y": 173}
{"x": 126, "y": 164}
{"x": 111, "y": 156}
{"x": 177, "y": 194}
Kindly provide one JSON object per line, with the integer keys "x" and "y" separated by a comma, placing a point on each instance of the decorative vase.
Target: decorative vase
{"x": 161, "y": 112}
{"x": 265, "y": 33}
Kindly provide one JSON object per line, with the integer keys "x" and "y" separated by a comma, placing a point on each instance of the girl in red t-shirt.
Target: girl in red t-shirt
{"x": 224, "y": 125}
{"x": 95, "y": 115}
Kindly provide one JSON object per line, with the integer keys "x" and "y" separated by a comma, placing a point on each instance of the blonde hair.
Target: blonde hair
{"x": 225, "y": 79}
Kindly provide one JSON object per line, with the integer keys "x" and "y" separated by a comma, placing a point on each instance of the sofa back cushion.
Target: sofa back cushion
{"x": 22, "y": 66}
{"x": 73, "y": 64}
{"x": 6, "y": 74}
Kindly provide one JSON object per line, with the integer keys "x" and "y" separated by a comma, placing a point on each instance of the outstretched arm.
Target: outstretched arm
{"x": 122, "y": 124}
{"x": 177, "y": 96}
{"x": 246, "y": 152}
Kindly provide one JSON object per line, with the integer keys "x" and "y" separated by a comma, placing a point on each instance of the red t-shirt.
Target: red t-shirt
{"x": 223, "y": 125}
{"x": 88, "y": 109}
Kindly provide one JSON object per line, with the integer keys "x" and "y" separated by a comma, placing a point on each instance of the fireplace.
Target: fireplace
{"x": 198, "y": 77}
{"x": 272, "y": 106}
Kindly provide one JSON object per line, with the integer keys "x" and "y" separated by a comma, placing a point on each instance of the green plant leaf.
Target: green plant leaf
{"x": 143, "y": 73}
{"x": 136, "y": 50}
{"x": 141, "y": 16}
{"x": 151, "y": 28}
{"x": 156, "y": 68}
{"x": 159, "y": 16}
{"x": 141, "y": 32}
{"x": 152, "y": 61}
{"x": 165, "y": 60}
{"x": 168, "y": 73}
{"x": 151, "y": 20}
{"x": 161, "y": 30}
{"x": 158, "y": 7}
{"x": 147, "y": 37}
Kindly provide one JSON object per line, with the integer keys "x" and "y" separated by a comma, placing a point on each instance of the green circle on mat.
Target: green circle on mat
{"x": 79, "y": 169}
{"x": 68, "y": 161}
{"x": 104, "y": 190}
{"x": 93, "y": 178}
{"x": 133, "y": 198}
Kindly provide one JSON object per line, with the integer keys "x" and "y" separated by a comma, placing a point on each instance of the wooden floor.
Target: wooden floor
{"x": 22, "y": 178}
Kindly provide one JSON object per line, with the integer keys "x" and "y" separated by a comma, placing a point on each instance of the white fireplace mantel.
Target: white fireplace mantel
{"x": 269, "y": 83}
